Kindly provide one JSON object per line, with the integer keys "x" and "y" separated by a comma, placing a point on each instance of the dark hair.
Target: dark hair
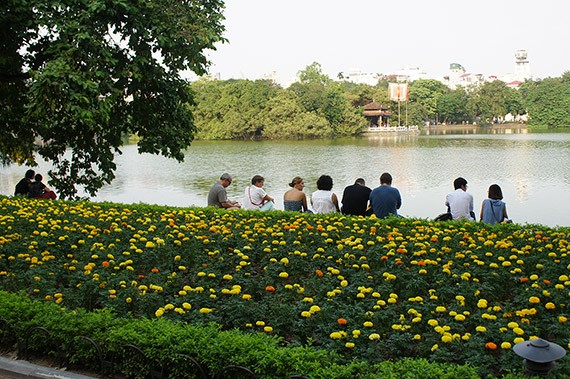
{"x": 385, "y": 178}
{"x": 360, "y": 181}
{"x": 226, "y": 176}
{"x": 30, "y": 174}
{"x": 257, "y": 179}
{"x": 325, "y": 183}
{"x": 495, "y": 192}
{"x": 459, "y": 182}
{"x": 38, "y": 178}
{"x": 296, "y": 180}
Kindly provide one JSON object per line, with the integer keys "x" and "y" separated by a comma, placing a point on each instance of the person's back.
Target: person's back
{"x": 460, "y": 202}
{"x": 24, "y": 185}
{"x": 324, "y": 200}
{"x": 385, "y": 200}
{"x": 493, "y": 211}
{"x": 355, "y": 198}
{"x": 36, "y": 189}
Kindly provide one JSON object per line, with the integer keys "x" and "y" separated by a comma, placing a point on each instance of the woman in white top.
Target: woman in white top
{"x": 255, "y": 197}
{"x": 324, "y": 200}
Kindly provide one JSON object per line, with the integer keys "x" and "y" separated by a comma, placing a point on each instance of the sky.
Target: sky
{"x": 380, "y": 36}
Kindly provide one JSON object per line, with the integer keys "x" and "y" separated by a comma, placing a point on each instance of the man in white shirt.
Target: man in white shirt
{"x": 459, "y": 202}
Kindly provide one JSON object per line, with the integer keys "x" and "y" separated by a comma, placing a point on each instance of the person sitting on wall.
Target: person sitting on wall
{"x": 218, "y": 197}
{"x": 385, "y": 199}
{"x": 39, "y": 190}
{"x": 23, "y": 186}
{"x": 355, "y": 198}
{"x": 459, "y": 202}
{"x": 295, "y": 199}
{"x": 255, "y": 198}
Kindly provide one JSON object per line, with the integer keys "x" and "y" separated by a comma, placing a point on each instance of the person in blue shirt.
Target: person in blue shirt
{"x": 494, "y": 209}
{"x": 385, "y": 199}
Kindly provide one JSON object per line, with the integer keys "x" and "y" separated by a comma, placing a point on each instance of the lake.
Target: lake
{"x": 533, "y": 169}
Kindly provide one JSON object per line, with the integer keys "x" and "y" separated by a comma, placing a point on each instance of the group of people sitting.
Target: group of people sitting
{"x": 31, "y": 185}
{"x": 357, "y": 199}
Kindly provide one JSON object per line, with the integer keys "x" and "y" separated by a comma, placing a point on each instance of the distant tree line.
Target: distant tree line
{"x": 317, "y": 107}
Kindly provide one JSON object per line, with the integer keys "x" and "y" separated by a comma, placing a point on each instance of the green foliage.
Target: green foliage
{"x": 491, "y": 100}
{"x": 80, "y": 75}
{"x": 162, "y": 341}
{"x": 548, "y": 101}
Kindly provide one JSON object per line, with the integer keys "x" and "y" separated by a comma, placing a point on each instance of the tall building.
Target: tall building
{"x": 522, "y": 66}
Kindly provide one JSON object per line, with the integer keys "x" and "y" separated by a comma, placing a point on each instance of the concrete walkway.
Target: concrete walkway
{"x": 18, "y": 369}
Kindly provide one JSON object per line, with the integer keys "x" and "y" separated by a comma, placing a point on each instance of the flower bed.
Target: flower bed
{"x": 374, "y": 289}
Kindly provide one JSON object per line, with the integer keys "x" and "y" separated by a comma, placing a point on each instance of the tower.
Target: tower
{"x": 522, "y": 66}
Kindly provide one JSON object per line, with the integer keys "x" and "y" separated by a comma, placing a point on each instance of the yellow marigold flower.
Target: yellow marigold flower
{"x": 440, "y": 309}
{"x": 433, "y": 322}
{"x": 205, "y": 311}
{"x": 417, "y": 337}
{"x": 550, "y": 305}
{"x": 506, "y": 345}
{"x": 446, "y": 338}
{"x": 306, "y": 314}
{"x": 518, "y": 331}
{"x": 335, "y": 335}
{"x": 227, "y": 277}
{"x": 518, "y": 340}
{"x": 374, "y": 337}
{"x": 344, "y": 283}
{"x": 368, "y": 324}
{"x": 349, "y": 345}
{"x": 283, "y": 274}
{"x": 512, "y": 325}
{"x": 159, "y": 312}
{"x": 459, "y": 317}
{"x": 562, "y": 319}
{"x": 314, "y": 309}
{"x": 186, "y": 305}
{"x": 169, "y": 307}
{"x": 481, "y": 329}
{"x": 482, "y": 303}
{"x": 356, "y": 333}
{"x": 534, "y": 300}
{"x": 436, "y": 346}
{"x": 268, "y": 329}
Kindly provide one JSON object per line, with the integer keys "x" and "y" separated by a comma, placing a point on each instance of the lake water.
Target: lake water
{"x": 533, "y": 169}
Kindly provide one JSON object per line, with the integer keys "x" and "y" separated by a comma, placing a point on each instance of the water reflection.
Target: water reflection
{"x": 533, "y": 170}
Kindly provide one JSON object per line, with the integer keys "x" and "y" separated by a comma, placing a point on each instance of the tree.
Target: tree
{"x": 548, "y": 101}
{"x": 493, "y": 99}
{"x": 452, "y": 106}
{"x": 77, "y": 75}
{"x": 426, "y": 93}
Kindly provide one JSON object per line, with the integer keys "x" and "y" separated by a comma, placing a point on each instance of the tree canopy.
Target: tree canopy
{"x": 76, "y": 75}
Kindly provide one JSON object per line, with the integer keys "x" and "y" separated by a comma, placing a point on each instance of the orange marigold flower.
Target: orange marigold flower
{"x": 105, "y": 264}
{"x": 319, "y": 273}
{"x": 342, "y": 321}
{"x": 546, "y": 281}
{"x": 154, "y": 269}
{"x": 270, "y": 289}
{"x": 384, "y": 258}
{"x": 524, "y": 280}
{"x": 491, "y": 346}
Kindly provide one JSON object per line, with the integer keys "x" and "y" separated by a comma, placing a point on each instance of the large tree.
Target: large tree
{"x": 76, "y": 75}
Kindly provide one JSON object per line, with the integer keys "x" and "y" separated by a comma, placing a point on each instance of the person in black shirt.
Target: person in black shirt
{"x": 23, "y": 186}
{"x": 355, "y": 198}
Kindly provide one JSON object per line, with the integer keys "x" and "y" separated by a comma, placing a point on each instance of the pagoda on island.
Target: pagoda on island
{"x": 376, "y": 114}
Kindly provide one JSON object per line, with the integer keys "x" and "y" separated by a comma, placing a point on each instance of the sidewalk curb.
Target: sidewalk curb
{"x": 15, "y": 369}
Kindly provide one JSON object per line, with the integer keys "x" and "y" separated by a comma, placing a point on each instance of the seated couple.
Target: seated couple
{"x": 255, "y": 197}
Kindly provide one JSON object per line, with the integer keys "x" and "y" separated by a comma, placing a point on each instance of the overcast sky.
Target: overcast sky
{"x": 383, "y": 36}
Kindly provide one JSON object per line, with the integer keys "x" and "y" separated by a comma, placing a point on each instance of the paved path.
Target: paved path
{"x": 18, "y": 369}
